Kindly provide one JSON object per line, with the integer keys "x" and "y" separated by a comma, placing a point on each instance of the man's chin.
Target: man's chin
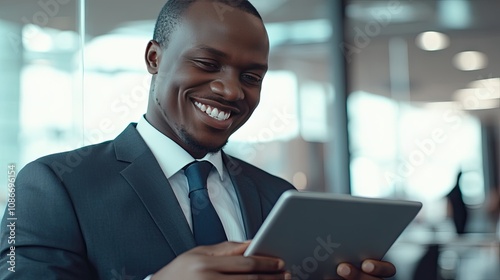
{"x": 200, "y": 147}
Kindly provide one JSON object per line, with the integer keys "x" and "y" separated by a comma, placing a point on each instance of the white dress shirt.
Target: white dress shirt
{"x": 172, "y": 158}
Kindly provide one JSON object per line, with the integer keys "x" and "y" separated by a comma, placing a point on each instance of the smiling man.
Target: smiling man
{"x": 123, "y": 209}
{"x": 207, "y": 77}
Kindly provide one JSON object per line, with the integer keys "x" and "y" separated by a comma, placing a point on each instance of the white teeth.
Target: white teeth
{"x": 213, "y": 112}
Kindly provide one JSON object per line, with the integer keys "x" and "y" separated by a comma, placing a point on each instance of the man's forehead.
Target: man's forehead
{"x": 239, "y": 32}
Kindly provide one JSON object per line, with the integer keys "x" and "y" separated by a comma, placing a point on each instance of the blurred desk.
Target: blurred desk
{"x": 471, "y": 256}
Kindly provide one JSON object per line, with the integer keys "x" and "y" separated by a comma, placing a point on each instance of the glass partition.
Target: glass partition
{"x": 41, "y": 73}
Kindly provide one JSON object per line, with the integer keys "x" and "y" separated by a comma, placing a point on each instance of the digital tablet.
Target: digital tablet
{"x": 313, "y": 232}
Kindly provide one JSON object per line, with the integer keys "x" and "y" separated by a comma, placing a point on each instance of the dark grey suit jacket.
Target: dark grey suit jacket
{"x": 107, "y": 212}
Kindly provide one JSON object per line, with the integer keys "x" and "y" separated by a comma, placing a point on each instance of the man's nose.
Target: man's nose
{"x": 228, "y": 86}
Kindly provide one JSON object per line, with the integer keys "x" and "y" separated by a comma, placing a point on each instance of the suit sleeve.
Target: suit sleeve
{"x": 45, "y": 239}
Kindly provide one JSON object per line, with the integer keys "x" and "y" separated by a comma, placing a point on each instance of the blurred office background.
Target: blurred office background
{"x": 389, "y": 98}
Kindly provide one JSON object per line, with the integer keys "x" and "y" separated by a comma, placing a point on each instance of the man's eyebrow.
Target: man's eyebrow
{"x": 222, "y": 54}
{"x": 211, "y": 50}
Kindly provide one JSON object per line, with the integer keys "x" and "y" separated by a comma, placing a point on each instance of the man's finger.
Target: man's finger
{"x": 378, "y": 268}
{"x": 350, "y": 272}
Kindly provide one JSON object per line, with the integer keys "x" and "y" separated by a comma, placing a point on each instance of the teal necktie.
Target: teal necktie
{"x": 207, "y": 227}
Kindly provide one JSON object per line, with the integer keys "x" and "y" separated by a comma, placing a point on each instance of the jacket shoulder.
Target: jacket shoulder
{"x": 74, "y": 160}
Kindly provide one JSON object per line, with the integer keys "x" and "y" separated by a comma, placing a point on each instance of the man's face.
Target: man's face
{"x": 208, "y": 79}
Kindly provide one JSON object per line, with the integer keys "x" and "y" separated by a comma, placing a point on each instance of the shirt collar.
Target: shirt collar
{"x": 165, "y": 150}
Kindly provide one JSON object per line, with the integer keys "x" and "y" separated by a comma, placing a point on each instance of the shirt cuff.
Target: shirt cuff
{"x": 149, "y": 277}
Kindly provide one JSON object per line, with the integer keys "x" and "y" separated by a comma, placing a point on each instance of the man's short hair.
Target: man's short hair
{"x": 171, "y": 15}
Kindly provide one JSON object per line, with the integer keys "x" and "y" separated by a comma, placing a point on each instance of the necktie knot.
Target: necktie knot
{"x": 197, "y": 174}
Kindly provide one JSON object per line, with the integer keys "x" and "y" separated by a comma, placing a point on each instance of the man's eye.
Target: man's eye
{"x": 207, "y": 65}
{"x": 252, "y": 78}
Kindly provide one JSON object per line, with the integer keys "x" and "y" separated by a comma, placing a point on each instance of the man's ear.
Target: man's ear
{"x": 152, "y": 57}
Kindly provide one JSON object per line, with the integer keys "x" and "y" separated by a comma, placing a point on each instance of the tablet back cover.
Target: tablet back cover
{"x": 313, "y": 232}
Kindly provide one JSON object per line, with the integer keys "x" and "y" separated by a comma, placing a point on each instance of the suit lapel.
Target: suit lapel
{"x": 248, "y": 197}
{"x": 147, "y": 179}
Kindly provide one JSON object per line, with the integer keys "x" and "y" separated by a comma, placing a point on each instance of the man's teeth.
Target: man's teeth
{"x": 213, "y": 112}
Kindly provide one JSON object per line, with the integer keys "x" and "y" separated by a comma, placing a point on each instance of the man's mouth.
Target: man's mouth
{"x": 213, "y": 112}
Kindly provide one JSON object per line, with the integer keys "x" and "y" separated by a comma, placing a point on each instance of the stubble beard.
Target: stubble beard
{"x": 195, "y": 145}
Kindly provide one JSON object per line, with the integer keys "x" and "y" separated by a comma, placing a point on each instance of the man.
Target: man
{"x": 120, "y": 209}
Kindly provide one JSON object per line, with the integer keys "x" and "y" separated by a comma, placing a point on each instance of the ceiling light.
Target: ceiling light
{"x": 483, "y": 105}
{"x": 470, "y": 60}
{"x": 441, "y": 105}
{"x": 491, "y": 87}
{"x": 432, "y": 41}
{"x": 37, "y": 39}
{"x": 476, "y": 98}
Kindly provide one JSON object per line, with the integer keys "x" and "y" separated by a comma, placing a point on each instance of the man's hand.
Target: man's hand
{"x": 219, "y": 262}
{"x": 370, "y": 270}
